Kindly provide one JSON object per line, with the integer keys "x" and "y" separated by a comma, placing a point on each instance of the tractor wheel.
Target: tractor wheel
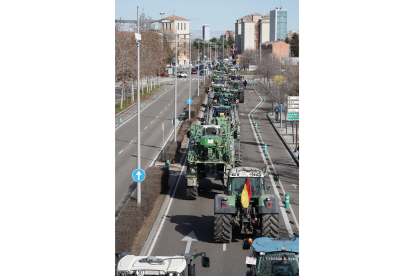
{"x": 222, "y": 227}
{"x": 210, "y": 102}
{"x": 270, "y": 225}
{"x": 241, "y": 97}
{"x": 191, "y": 193}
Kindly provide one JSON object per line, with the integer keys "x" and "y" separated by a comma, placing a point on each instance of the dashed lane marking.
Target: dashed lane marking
{"x": 120, "y": 151}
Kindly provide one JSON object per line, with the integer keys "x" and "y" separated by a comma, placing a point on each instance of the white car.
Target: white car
{"x": 181, "y": 75}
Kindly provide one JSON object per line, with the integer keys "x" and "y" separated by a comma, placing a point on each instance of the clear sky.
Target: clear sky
{"x": 221, "y": 15}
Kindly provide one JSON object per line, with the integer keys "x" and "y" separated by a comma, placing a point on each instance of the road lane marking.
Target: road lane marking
{"x": 284, "y": 215}
{"x": 131, "y": 142}
{"x": 144, "y": 128}
{"x": 224, "y": 247}
{"x": 151, "y": 122}
{"x": 120, "y": 151}
{"x": 156, "y": 117}
{"x": 161, "y": 112}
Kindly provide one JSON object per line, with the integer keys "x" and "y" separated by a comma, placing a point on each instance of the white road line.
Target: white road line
{"x": 284, "y": 215}
{"x": 120, "y": 151}
{"x": 165, "y": 107}
{"x": 224, "y": 246}
{"x": 166, "y": 213}
{"x": 156, "y": 117}
{"x": 151, "y": 122}
{"x": 131, "y": 142}
{"x": 281, "y": 185}
{"x": 144, "y": 128}
{"x": 161, "y": 112}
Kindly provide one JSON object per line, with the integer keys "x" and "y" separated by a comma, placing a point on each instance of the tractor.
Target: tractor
{"x": 237, "y": 88}
{"x": 212, "y": 151}
{"x": 245, "y": 204}
{"x": 272, "y": 256}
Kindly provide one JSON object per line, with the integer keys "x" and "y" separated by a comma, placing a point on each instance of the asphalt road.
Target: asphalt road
{"x": 197, "y": 216}
{"x": 152, "y": 117}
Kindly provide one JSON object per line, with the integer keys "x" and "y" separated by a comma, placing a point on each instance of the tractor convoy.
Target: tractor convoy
{"x": 215, "y": 152}
{"x": 244, "y": 204}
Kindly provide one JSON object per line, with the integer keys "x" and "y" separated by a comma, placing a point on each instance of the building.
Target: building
{"x": 246, "y": 33}
{"x": 275, "y": 50}
{"x": 182, "y": 27}
{"x": 264, "y": 30}
{"x": 228, "y": 34}
{"x": 206, "y": 32}
{"x": 278, "y": 24}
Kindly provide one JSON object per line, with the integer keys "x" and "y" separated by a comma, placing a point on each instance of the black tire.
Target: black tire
{"x": 191, "y": 193}
{"x": 210, "y": 102}
{"x": 241, "y": 97}
{"x": 270, "y": 225}
{"x": 222, "y": 227}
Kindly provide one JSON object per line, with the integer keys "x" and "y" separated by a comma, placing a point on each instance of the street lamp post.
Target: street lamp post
{"x": 198, "y": 70}
{"x": 138, "y": 40}
{"x": 175, "y": 82}
{"x": 189, "y": 89}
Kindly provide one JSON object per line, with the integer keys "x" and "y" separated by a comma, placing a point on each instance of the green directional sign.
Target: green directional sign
{"x": 293, "y": 114}
{"x": 293, "y": 118}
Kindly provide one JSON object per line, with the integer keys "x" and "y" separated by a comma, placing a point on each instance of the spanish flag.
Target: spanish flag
{"x": 246, "y": 194}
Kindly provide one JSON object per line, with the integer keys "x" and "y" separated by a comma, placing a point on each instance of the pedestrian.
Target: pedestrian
{"x": 245, "y": 83}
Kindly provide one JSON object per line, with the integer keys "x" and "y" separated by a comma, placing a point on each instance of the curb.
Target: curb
{"x": 284, "y": 142}
{"x": 157, "y": 222}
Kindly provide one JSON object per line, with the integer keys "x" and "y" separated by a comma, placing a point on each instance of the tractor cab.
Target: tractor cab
{"x": 273, "y": 256}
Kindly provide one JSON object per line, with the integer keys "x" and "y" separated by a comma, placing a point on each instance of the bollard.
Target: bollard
{"x": 255, "y": 126}
{"x": 287, "y": 201}
{"x": 173, "y": 83}
{"x": 265, "y": 149}
{"x": 167, "y": 164}
{"x": 154, "y": 96}
{"x": 142, "y": 105}
{"x": 120, "y": 120}
{"x": 165, "y": 89}
{"x": 263, "y": 98}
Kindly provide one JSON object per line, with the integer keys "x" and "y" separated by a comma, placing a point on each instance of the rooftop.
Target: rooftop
{"x": 175, "y": 17}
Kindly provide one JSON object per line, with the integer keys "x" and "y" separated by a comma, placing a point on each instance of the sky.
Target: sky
{"x": 221, "y": 15}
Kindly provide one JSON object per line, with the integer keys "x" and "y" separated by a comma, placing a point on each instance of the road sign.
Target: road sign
{"x": 138, "y": 175}
{"x": 177, "y": 121}
{"x": 278, "y": 79}
{"x": 189, "y": 101}
{"x": 293, "y": 108}
{"x": 281, "y": 106}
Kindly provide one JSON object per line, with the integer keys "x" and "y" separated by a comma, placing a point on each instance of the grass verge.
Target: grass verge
{"x": 128, "y": 102}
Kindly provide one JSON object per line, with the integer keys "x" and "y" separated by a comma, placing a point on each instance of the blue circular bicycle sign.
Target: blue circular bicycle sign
{"x": 189, "y": 101}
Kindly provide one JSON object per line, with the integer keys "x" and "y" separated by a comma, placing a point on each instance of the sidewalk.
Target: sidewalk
{"x": 287, "y": 131}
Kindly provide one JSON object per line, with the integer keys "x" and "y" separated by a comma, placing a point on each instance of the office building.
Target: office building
{"x": 278, "y": 24}
{"x": 206, "y": 32}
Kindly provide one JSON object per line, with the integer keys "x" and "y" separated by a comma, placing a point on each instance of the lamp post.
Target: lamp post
{"x": 198, "y": 71}
{"x": 189, "y": 89}
{"x": 175, "y": 82}
{"x": 138, "y": 40}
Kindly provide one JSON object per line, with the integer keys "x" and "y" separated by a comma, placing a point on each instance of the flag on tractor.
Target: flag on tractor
{"x": 246, "y": 194}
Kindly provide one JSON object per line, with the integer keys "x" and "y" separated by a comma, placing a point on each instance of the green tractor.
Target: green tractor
{"x": 237, "y": 88}
{"x": 211, "y": 153}
{"x": 217, "y": 85}
{"x": 262, "y": 211}
{"x": 227, "y": 115}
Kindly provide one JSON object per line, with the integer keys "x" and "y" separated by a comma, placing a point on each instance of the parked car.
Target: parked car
{"x": 163, "y": 74}
{"x": 181, "y": 75}
{"x": 193, "y": 71}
